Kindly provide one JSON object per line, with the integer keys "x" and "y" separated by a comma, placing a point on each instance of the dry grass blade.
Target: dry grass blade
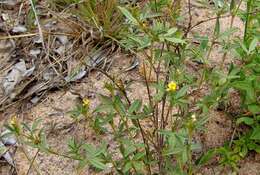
{"x": 38, "y": 23}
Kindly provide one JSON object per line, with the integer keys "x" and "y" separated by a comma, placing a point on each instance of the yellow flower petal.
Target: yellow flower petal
{"x": 172, "y": 86}
{"x": 86, "y": 102}
{"x": 193, "y": 117}
{"x": 13, "y": 120}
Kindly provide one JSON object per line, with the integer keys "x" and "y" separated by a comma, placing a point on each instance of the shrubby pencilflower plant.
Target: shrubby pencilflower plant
{"x": 171, "y": 87}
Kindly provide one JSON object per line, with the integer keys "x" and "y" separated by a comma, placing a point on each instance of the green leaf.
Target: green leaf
{"x": 256, "y": 133}
{"x": 254, "y": 108}
{"x": 147, "y": 110}
{"x": 101, "y": 149}
{"x": 175, "y": 40}
{"x": 253, "y": 45}
{"x": 104, "y": 108}
{"x": 139, "y": 155}
{"x": 105, "y": 99}
{"x": 228, "y": 32}
{"x": 141, "y": 41}
{"x": 257, "y": 149}
{"x": 137, "y": 116}
{"x": 149, "y": 16}
{"x": 180, "y": 93}
{"x": 135, "y": 106}
{"x": 246, "y": 85}
{"x": 243, "y": 46}
{"x": 129, "y": 147}
{"x": 128, "y": 15}
{"x": 243, "y": 152}
{"x": 97, "y": 162}
{"x": 119, "y": 106}
{"x": 170, "y": 32}
{"x": 26, "y": 127}
{"x": 36, "y": 124}
{"x": 246, "y": 120}
{"x": 82, "y": 164}
{"x": 219, "y": 3}
{"x": 44, "y": 144}
{"x": 139, "y": 166}
{"x": 232, "y": 5}
{"x": 127, "y": 167}
{"x": 205, "y": 157}
{"x": 176, "y": 143}
{"x": 217, "y": 27}
{"x": 184, "y": 155}
{"x": 196, "y": 146}
{"x": 161, "y": 90}
{"x": 90, "y": 150}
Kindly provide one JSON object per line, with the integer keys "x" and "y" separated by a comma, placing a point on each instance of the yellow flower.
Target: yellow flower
{"x": 86, "y": 102}
{"x": 144, "y": 24}
{"x": 193, "y": 117}
{"x": 178, "y": 71}
{"x": 172, "y": 86}
{"x": 13, "y": 121}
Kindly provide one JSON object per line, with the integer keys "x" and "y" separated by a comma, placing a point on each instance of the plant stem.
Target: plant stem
{"x": 233, "y": 15}
{"x": 248, "y": 9}
{"x": 190, "y": 130}
{"x": 214, "y": 37}
{"x": 27, "y": 156}
{"x": 190, "y": 19}
{"x": 31, "y": 163}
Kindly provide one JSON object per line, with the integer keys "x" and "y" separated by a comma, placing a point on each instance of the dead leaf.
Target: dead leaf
{"x": 17, "y": 74}
{"x": 19, "y": 29}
